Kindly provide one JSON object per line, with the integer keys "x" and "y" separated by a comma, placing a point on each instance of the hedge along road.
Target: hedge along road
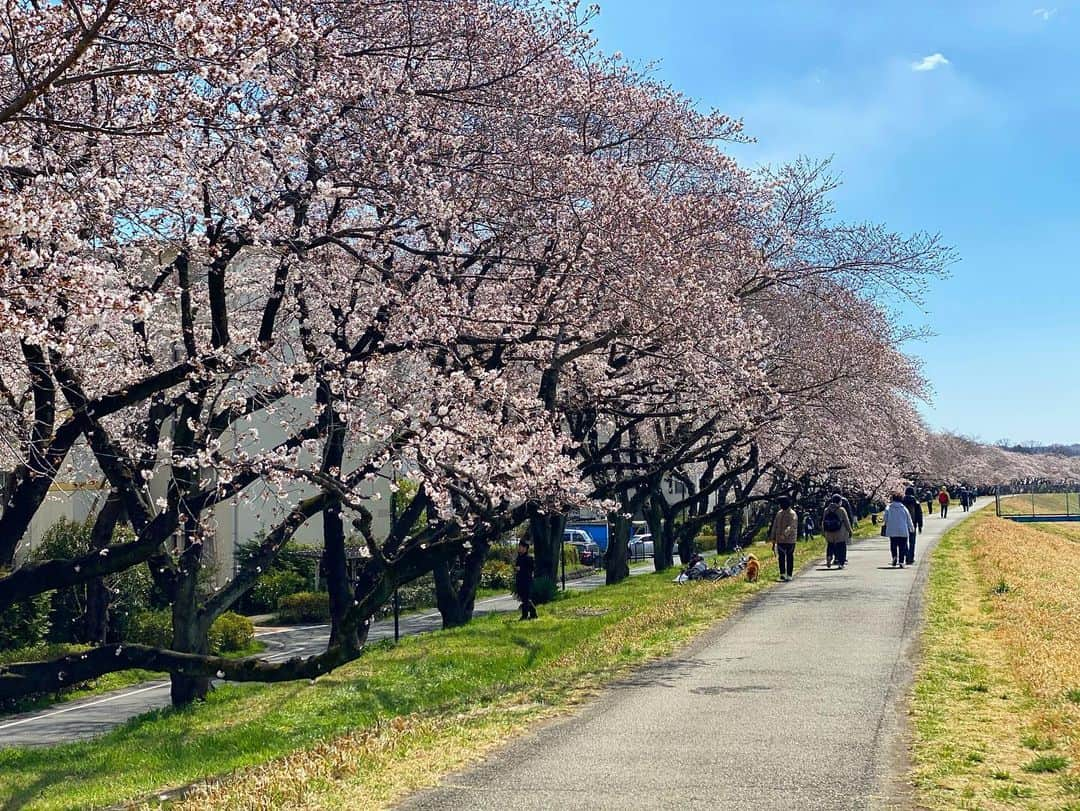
{"x": 85, "y": 718}
{"x": 798, "y": 701}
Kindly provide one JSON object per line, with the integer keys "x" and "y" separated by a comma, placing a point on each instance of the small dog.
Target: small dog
{"x": 752, "y": 567}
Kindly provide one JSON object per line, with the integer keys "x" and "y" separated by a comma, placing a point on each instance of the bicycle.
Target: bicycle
{"x": 697, "y": 570}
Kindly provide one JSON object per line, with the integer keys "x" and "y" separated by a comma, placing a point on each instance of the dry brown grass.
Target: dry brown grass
{"x": 994, "y": 697}
{"x": 369, "y": 768}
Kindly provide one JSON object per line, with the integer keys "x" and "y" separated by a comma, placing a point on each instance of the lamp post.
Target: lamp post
{"x": 397, "y": 600}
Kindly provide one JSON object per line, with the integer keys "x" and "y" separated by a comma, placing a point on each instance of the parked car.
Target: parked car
{"x": 576, "y": 536}
{"x": 588, "y": 553}
{"x": 640, "y": 546}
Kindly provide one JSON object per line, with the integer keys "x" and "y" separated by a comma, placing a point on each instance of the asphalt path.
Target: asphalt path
{"x": 797, "y": 702}
{"x": 86, "y": 718}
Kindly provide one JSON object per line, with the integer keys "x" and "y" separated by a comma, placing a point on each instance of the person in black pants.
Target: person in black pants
{"x": 783, "y": 533}
{"x": 915, "y": 510}
{"x": 523, "y": 581}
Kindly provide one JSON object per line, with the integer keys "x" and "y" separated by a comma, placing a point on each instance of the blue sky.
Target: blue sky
{"x": 981, "y": 145}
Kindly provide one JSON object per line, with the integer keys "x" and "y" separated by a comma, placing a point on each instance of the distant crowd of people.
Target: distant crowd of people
{"x": 902, "y": 522}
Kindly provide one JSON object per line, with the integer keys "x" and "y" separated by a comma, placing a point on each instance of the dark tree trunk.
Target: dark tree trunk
{"x": 335, "y": 561}
{"x": 734, "y": 536}
{"x": 189, "y": 636}
{"x": 337, "y": 576}
{"x": 546, "y": 532}
{"x": 456, "y": 600}
{"x": 721, "y": 530}
{"x": 617, "y": 558}
{"x": 662, "y": 526}
{"x": 96, "y": 623}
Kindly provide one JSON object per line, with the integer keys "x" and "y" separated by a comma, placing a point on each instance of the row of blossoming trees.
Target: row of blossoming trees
{"x": 447, "y": 239}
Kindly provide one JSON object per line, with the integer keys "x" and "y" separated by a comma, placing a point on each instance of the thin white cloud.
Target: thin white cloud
{"x": 1044, "y": 14}
{"x": 931, "y": 62}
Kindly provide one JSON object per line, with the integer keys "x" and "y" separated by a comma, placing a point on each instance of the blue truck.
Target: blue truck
{"x": 596, "y": 530}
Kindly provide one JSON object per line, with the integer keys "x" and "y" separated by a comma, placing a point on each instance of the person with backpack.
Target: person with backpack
{"x": 847, "y": 508}
{"x": 783, "y": 533}
{"x": 837, "y": 528}
{"x": 915, "y": 509}
{"x": 898, "y": 528}
{"x": 943, "y": 500}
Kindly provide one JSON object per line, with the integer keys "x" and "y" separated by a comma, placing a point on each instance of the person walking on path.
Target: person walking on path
{"x": 523, "y": 581}
{"x": 898, "y": 528}
{"x": 837, "y": 528}
{"x": 965, "y": 499}
{"x": 929, "y": 503}
{"x": 808, "y": 527}
{"x": 847, "y": 508}
{"x": 943, "y": 500}
{"x": 783, "y": 533}
{"x": 915, "y": 509}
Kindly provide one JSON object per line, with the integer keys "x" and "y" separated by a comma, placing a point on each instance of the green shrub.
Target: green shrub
{"x": 42, "y": 652}
{"x": 24, "y": 623}
{"x": 67, "y": 607}
{"x": 544, "y": 590}
{"x": 132, "y": 592}
{"x": 272, "y": 586}
{"x": 153, "y": 628}
{"x": 231, "y": 632}
{"x": 497, "y": 574}
{"x": 129, "y": 591}
{"x": 570, "y": 556}
{"x": 503, "y": 552}
{"x": 305, "y": 606}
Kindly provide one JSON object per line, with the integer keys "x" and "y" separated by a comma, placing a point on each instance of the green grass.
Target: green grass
{"x": 578, "y": 643}
{"x": 1046, "y": 763}
{"x": 106, "y": 684}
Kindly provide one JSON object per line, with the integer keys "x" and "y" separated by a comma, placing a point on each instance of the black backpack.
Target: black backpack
{"x": 831, "y": 522}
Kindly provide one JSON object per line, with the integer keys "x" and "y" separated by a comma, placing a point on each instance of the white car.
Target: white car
{"x": 641, "y": 546}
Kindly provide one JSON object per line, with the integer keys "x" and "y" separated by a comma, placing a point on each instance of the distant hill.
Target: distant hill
{"x": 1058, "y": 450}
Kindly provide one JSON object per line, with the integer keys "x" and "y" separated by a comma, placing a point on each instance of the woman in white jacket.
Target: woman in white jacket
{"x": 898, "y": 525}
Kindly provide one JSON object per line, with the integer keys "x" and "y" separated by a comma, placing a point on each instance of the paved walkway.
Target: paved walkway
{"x": 796, "y": 703}
{"x": 88, "y": 717}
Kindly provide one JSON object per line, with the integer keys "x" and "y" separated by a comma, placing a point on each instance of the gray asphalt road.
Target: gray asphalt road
{"x": 92, "y": 716}
{"x": 796, "y": 703}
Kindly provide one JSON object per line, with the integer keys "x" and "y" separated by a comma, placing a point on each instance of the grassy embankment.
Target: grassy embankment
{"x": 94, "y": 687}
{"x": 997, "y": 699}
{"x": 389, "y": 723}
{"x": 1041, "y": 504}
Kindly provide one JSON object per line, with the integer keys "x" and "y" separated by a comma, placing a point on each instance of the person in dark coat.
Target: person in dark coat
{"x": 524, "y": 568}
{"x": 915, "y": 508}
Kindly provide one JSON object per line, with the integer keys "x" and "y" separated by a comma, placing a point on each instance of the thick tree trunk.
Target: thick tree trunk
{"x": 96, "y": 622}
{"x": 545, "y": 532}
{"x": 721, "y": 529}
{"x": 337, "y": 575}
{"x": 662, "y": 526}
{"x": 456, "y": 600}
{"x": 617, "y": 558}
{"x": 734, "y": 536}
{"x": 189, "y": 636}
